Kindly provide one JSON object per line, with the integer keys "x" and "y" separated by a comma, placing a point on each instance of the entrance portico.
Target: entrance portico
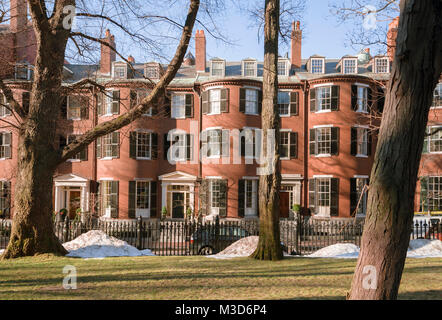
{"x": 71, "y": 193}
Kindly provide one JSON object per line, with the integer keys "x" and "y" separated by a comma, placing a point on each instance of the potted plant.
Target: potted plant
{"x": 164, "y": 213}
{"x": 77, "y": 215}
{"x": 63, "y": 213}
{"x": 296, "y": 210}
{"x": 189, "y": 213}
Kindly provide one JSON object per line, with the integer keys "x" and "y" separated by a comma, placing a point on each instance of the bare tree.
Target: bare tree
{"x": 416, "y": 70}
{"x": 32, "y": 231}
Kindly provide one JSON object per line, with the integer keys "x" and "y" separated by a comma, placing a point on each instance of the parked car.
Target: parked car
{"x": 205, "y": 241}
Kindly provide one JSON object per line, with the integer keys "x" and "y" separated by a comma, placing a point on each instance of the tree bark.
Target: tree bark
{"x": 269, "y": 245}
{"x": 388, "y": 225}
{"x": 32, "y": 229}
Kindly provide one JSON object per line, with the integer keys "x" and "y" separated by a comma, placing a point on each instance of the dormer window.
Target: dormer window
{"x": 218, "y": 68}
{"x": 120, "y": 71}
{"x": 350, "y": 66}
{"x": 317, "y": 65}
{"x": 283, "y": 67}
{"x": 152, "y": 71}
{"x": 437, "y": 96}
{"x": 249, "y": 68}
{"x": 381, "y": 65}
{"x": 23, "y": 72}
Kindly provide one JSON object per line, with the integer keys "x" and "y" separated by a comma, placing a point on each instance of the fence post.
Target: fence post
{"x": 66, "y": 229}
{"x": 139, "y": 232}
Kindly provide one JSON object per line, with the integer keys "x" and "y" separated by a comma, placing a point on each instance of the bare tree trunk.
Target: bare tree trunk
{"x": 269, "y": 246}
{"x": 416, "y": 70}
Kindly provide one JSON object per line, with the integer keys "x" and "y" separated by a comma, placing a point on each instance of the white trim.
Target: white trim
{"x": 322, "y": 176}
{"x": 250, "y": 178}
{"x": 285, "y": 130}
{"x": 214, "y": 88}
{"x": 328, "y": 155}
{"x": 324, "y": 111}
{"x": 105, "y": 179}
{"x": 213, "y": 128}
{"x": 142, "y": 179}
{"x": 360, "y": 177}
{"x": 323, "y": 126}
{"x": 252, "y": 88}
{"x": 324, "y": 85}
{"x": 362, "y": 126}
{"x": 214, "y": 178}
{"x": 361, "y": 85}
{"x": 361, "y": 156}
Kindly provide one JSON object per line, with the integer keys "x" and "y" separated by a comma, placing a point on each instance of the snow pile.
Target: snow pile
{"x": 97, "y": 244}
{"x": 422, "y": 248}
{"x": 241, "y": 248}
{"x": 1, "y": 251}
{"x": 338, "y": 251}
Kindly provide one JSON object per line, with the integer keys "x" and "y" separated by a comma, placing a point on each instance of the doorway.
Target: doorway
{"x": 178, "y": 205}
{"x": 284, "y": 204}
{"x": 74, "y": 203}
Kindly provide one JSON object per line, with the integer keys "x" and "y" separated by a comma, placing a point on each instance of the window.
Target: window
{"x": 82, "y": 155}
{"x": 360, "y": 142}
{"x": 4, "y": 106}
{"x": 214, "y": 143}
{"x": 317, "y": 66}
{"x": 152, "y": 71}
{"x": 108, "y": 146}
{"x": 251, "y": 101}
{"x": 350, "y": 66}
{"x": 358, "y": 194}
{"x": 142, "y": 194}
{"x": 247, "y": 198}
{"x": 284, "y": 103}
{"x": 324, "y": 99}
{"x": 437, "y": 97}
{"x": 431, "y": 194}
{"x": 178, "y": 147}
{"x": 109, "y": 103}
{"x": 182, "y": 106}
{"x": 359, "y": 98}
{"x": 433, "y": 140}
{"x": 143, "y": 145}
{"x": 250, "y": 69}
{"x": 142, "y": 199}
{"x": 382, "y": 65}
{"x": 120, "y": 71}
{"x": 217, "y": 68}
{"x": 218, "y": 197}
{"x": 140, "y": 96}
{"x": 23, "y": 72}
{"x": 76, "y": 107}
{"x": 324, "y": 196}
{"x": 324, "y": 141}
{"x": 215, "y": 193}
{"x": 283, "y": 67}
{"x": 215, "y": 101}
{"x": 109, "y": 198}
{"x": 5, "y": 199}
{"x": 5, "y": 145}
{"x": 288, "y": 145}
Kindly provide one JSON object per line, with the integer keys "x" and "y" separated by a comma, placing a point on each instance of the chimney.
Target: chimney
{"x": 391, "y": 38}
{"x": 18, "y": 25}
{"x": 200, "y": 51}
{"x": 296, "y": 45}
{"x": 131, "y": 59}
{"x": 189, "y": 60}
{"x": 107, "y": 55}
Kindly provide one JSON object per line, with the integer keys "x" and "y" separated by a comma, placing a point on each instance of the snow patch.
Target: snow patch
{"x": 338, "y": 251}
{"x": 422, "y": 248}
{"x": 1, "y": 251}
{"x": 96, "y": 244}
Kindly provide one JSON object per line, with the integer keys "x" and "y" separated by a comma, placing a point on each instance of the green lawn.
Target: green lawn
{"x": 202, "y": 278}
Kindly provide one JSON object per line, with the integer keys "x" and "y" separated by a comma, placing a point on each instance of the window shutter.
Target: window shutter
{"x": 100, "y": 104}
{"x": 133, "y": 98}
{"x": 294, "y": 101}
{"x": 293, "y": 145}
{"x": 116, "y": 102}
{"x": 189, "y": 147}
{"x": 223, "y": 199}
{"x": 369, "y": 142}
{"x": 242, "y": 100}
{"x": 98, "y": 148}
{"x": 225, "y": 143}
{"x": 312, "y": 141}
{"x": 115, "y": 144}
{"x": 334, "y": 141}
{"x": 204, "y": 196}
{"x": 225, "y": 100}
{"x": 241, "y": 198}
{"x": 26, "y": 101}
{"x": 189, "y": 105}
{"x": 7, "y": 136}
{"x": 369, "y": 98}
{"x": 133, "y": 145}
{"x": 353, "y": 196}
{"x": 132, "y": 199}
{"x": 243, "y": 146}
{"x": 426, "y": 141}
{"x": 354, "y": 97}
{"x": 64, "y": 106}
{"x": 381, "y": 100}
{"x": 205, "y": 98}
{"x": 335, "y": 98}
{"x": 154, "y": 146}
{"x": 153, "y": 199}
{"x": 166, "y": 145}
{"x": 424, "y": 194}
{"x": 313, "y": 101}
{"x": 334, "y": 197}
{"x": 312, "y": 195}
{"x": 354, "y": 141}
{"x": 259, "y": 101}
{"x": 114, "y": 210}
{"x": 167, "y": 104}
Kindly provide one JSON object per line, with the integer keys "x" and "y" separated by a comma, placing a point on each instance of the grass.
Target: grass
{"x": 193, "y": 278}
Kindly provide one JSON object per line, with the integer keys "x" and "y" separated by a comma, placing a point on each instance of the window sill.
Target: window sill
{"x": 284, "y": 115}
{"x": 143, "y": 159}
{"x": 323, "y": 111}
{"x": 251, "y": 114}
{"x": 361, "y": 156}
{"x": 213, "y": 157}
{"x": 107, "y": 159}
{"x": 439, "y": 152}
{"x": 73, "y": 160}
{"x": 435, "y": 108}
{"x": 323, "y": 156}
{"x": 284, "y": 159}
{"x": 213, "y": 114}
{"x": 361, "y": 111}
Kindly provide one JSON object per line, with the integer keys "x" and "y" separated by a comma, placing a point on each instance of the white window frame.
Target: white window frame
{"x": 360, "y": 183}
{"x": 325, "y": 209}
{"x": 217, "y": 102}
{"x": 324, "y": 104}
{"x": 250, "y": 189}
{"x": 344, "y": 67}
{"x": 223, "y": 68}
{"x": 286, "y": 67}
{"x": 250, "y": 102}
{"x": 4, "y": 112}
{"x": 142, "y": 212}
{"x": 361, "y": 142}
{"x": 108, "y": 100}
{"x": 438, "y": 90}
{"x": 23, "y": 65}
{"x": 152, "y": 71}
{"x": 377, "y": 67}
{"x": 181, "y": 106}
{"x": 312, "y": 66}
{"x": 285, "y": 131}
{"x": 362, "y": 100}
{"x": 141, "y": 94}
{"x": 3, "y": 146}
{"x": 182, "y": 149}
{"x": 211, "y": 144}
{"x": 430, "y": 139}
{"x": 106, "y": 197}
{"x": 137, "y": 144}
{"x": 280, "y": 93}
{"x": 329, "y": 141}
{"x": 117, "y": 66}
{"x": 254, "y": 69}
{"x": 4, "y": 184}
{"x": 439, "y": 198}
{"x": 68, "y": 111}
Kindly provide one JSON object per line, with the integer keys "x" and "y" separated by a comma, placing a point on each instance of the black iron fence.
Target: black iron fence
{"x": 178, "y": 238}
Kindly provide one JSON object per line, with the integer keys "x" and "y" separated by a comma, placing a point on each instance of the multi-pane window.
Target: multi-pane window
{"x": 23, "y": 72}
{"x": 437, "y": 97}
{"x": 178, "y": 106}
{"x": 435, "y": 139}
{"x": 109, "y": 198}
{"x": 431, "y": 194}
{"x": 251, "y": 101}
{"x": 317, "y": 66}
{"x": 5, "y": 199}
{"x": 350, "y": 66}
{"x": 358, "y": 196}
{"x": 324, "y": 99}
{"x": 323, "y": 192}
{"x": 144, "y": 145}
{"x": 77, "y": 105}
{"x": 249, "y": 193}
{"x": 360, "y": 141}
{"x": 324, "y": 196}
{"x": 284, "y": 103}
{"x": 109, "y": 103}
{"x": 5, "y": 145}
{"x": 250, "y": 68}
{"x": 282, "y": 68}
{"x": 120, "y": 71}
{"x": 214, "y": 143}
{"x": 142, "y": 194}
{"x": 82, "y": 155}
{"x": 362, "y": 99}
{"x": 215, "y": 193}
{"x": 323, "y": 94}
{"x": 215, "y": 101}
{"x": 152, "y": 72}
{"x": 4, "y": 106}
{"x": 141, "y": 95}
{"x": 218, "y": 68}
{"x": 108, "y": 146}
{"x": 288, "y": 145}
{"x": 382, "y": 65}
{"x": 324, "y": 141}
{"x": 179, "y": 147}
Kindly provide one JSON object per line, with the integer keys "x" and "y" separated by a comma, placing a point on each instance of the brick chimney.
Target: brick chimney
{"x": 18, "y": 25}
{"x": 296, "y": 45}
{"x": 391, "y": 38}
{"x": 107, "y": 55}
{"x": 200, "y": 51}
